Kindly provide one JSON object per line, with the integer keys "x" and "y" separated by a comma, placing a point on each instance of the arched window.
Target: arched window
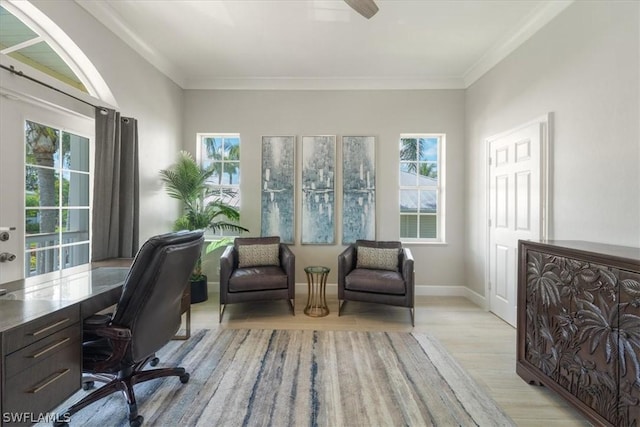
{"x": 29, "y": 36}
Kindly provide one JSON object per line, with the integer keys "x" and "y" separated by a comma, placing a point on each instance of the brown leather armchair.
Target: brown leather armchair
{"x": 378, "y": 272}
{"x": 257, "y": 268}
{"x": 117, "y": 347}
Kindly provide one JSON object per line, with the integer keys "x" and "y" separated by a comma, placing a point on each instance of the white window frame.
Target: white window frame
{"x": 439, "y": 188}
{"x": 235, "y": 187}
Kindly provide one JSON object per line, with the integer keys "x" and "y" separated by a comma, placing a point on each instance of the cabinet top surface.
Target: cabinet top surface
{"x": 626, "y": 253}
{"x": 27, "y": 301}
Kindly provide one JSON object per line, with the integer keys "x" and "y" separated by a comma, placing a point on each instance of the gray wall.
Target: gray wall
{"x": 583, "y": 67}
{"x": 383, "y": 114}
{"x": 141, "y": 91}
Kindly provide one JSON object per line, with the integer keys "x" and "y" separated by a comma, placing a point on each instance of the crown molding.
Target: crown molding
{"x": 110, "y": 19}
{"x": 333, "y": 83}
{"x": 526, "y": 28}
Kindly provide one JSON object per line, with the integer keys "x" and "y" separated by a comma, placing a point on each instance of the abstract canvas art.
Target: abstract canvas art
{"x": 358, "y": 188}
{"x": 318, "y": 189}
{"x": 278, "y": 186}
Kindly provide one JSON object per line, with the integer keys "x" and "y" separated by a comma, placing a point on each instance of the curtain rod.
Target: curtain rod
{"x": 13, "y": 70}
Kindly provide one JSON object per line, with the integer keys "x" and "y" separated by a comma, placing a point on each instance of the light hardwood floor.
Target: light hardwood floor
{"x": 482, "y": 343}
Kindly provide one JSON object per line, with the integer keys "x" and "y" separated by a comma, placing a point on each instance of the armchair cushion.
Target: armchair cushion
{"x": 257, "y": 279}
{"x": 258, "y": 255}
{"x": 375, "y": 281}
{"x": 377, "y": 258}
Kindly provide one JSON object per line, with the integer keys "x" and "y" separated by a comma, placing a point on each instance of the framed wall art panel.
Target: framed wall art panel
{"x": 278, "y": 187}
{"x": 358, "y": 188}
{"x": 318, "y": 189}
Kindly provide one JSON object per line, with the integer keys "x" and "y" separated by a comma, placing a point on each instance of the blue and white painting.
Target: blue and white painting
{"x": 358, "y": 188}
{"x": 278, "y": 185}
{"x": 318, "y": 189}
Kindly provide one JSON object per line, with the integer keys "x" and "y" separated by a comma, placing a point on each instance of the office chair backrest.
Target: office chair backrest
{"x": 151, "y": 297}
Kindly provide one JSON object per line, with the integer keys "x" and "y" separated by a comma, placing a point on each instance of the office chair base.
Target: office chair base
{"x": 124, "y": 382}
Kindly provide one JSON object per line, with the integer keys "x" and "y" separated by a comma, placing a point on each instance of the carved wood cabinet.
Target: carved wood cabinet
{"x": 579, "y": 326}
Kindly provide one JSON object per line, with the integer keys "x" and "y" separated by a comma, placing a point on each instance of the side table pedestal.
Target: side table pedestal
{"x": 316, "y": 300}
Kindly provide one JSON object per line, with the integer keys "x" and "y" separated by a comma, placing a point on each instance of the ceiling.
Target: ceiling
{"x": 323, "y": 44}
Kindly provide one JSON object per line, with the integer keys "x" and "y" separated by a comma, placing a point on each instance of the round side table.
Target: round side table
{"x": 317, "y": 282}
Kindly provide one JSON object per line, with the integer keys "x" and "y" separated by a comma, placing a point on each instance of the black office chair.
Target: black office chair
{"x": 116, "y": 349}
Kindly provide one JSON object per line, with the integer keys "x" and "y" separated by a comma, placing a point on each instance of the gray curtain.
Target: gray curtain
{"x": 116, "y": 187}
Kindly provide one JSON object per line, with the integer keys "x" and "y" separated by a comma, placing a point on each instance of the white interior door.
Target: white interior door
{"x": 515, "y": 204}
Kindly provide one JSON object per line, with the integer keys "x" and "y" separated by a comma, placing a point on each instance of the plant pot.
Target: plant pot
{"x": 199, "y": 291}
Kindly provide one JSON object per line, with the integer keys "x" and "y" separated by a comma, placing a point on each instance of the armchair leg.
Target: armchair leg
{"x": 340, "y": 304}
{"x": 413, "y": 316}
{"x": 292, "y": 303}
{"x": 221, "y": 309}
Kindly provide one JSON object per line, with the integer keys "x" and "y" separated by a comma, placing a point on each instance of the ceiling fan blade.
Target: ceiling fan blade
{"x": 366, "y": 8}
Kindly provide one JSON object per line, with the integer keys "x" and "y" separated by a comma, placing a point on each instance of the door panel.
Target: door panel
{"x": 515, "y": 211}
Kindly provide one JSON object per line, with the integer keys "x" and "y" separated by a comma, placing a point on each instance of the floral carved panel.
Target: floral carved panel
{"x": 583, "y": 331}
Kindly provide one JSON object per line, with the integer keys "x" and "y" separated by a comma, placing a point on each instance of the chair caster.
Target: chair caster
{"x": 87, "y": 385}
{"x": 184, "y": 378}
{"x": 154, "y": 361}
{"x": 136, "y": 422}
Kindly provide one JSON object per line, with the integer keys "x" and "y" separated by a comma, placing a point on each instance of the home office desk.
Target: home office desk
{"x": 41, "y": 339}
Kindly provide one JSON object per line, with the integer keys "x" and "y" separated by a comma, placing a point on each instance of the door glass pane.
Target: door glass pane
{"x": 75, "y": 152}
{"x": 42, "y": 261}
{"x": 43, "y": 222}
{"x": 41, "y": 186}
{"x": 75, "y": 255}
{"x": 75, "y": 225}
{"x": 42, "y": 145}
{"x": 75, "y": 189}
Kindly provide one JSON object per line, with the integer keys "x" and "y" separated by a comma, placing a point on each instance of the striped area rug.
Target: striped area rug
{"x": 306, "y": 378}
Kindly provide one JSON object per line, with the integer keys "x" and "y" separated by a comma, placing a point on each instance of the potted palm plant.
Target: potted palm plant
{"x": 186, "y": 181}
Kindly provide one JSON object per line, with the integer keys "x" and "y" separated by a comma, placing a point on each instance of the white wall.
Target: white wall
{"x": 141, "y": 92}
{"x": 383, "y": 114}
{"x": 584, "y": 68}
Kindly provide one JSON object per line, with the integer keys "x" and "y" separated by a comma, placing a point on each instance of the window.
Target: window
{"x": 422, "y": 187}
{"x": 222, "y": 153}
{"x": 26, "y": 45}
{"x": 57, "y": 199}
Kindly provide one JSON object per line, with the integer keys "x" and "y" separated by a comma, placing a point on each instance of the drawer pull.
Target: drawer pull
{"x": 48, "y": 349}
{"x": 49, "y": 381}
{"x": 45, "y": 329}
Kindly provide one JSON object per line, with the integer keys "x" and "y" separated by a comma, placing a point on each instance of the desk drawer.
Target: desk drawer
{"x": 45, "y": 384}
{"x": 33, "y": 331}
{"x": 26, "y": 357}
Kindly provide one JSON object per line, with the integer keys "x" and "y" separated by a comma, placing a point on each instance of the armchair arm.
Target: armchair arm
{"x": 227, "y": 263}
{"x": 288, "y": 264}
{"x": 346, "y": 263}
{"x": 408, "y": 272}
